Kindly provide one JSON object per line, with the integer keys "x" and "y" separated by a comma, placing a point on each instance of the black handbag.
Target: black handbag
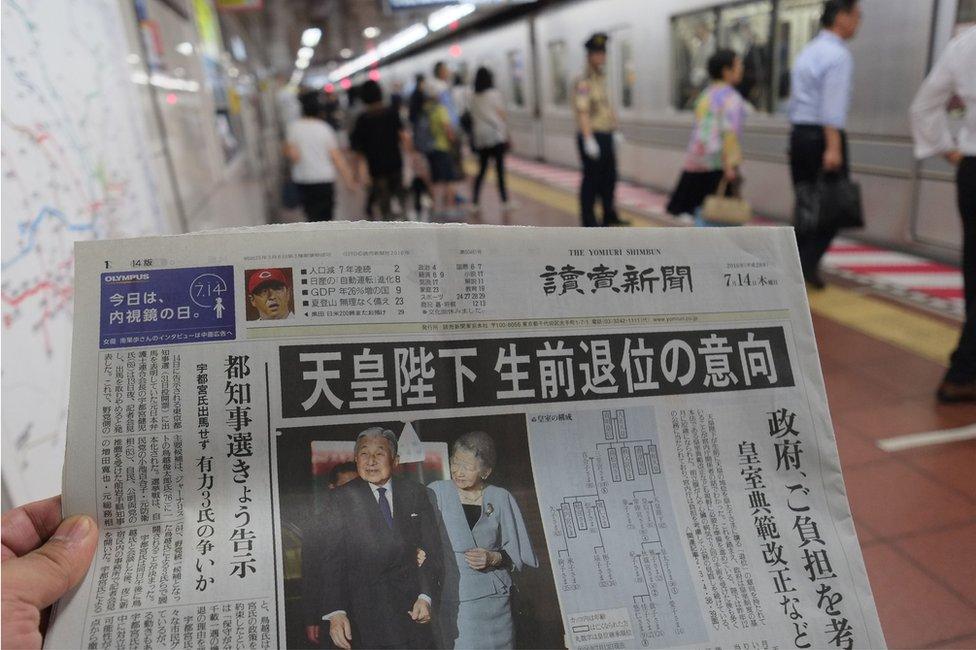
{"x": 840, "y": 203}
{"x": 828, "y": 203}
{"x": 467, "y": 123}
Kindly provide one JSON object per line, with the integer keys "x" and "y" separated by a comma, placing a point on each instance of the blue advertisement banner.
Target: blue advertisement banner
{"x": 167, "y": 307}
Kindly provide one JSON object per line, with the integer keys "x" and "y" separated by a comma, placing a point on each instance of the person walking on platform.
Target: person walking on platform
{"x": 952, "y": 83}
{"x": 597, "y": 136}
{"x": 821, "y": 84}
{"x": 316, "y": 157}
{"x": 378, "y": 138}
{"x": 422, "y": 143}
{"x": 442, "y": 169}
{"x": 714, "y": 153}
{"x": 489, "y": 134}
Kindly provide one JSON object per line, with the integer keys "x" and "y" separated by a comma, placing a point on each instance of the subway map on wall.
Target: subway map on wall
{"x": 76, "y": 166}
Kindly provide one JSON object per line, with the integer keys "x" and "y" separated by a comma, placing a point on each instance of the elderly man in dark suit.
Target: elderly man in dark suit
{"x": 361, "y": 567}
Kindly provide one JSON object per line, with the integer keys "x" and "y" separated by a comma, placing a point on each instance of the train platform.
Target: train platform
{"x": 885, "y": 326}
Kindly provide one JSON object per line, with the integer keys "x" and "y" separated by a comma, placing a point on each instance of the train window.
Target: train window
{"x": 692, "y": 42}
{"x": 798, "y": 22}
{"x": 965, "y": 14}
{"x": 461, "y": 73}
{"x": 628, "y": 72}
{"x": 744, "y": 28}
{"x": 559, "y": 83}
{"x": 516, "y": 72}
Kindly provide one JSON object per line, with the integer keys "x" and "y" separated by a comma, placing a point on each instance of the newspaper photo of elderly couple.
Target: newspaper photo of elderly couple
{"x": 441, "y": 546}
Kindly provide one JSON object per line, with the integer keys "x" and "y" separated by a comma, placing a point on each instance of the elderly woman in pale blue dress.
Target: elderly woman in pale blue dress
{"x": 485, "y": 540}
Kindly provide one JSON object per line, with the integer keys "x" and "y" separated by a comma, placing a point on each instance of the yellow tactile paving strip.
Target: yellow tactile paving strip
{"x": 562, "y": 200}
{"x": 908, "y": 329}
{"x": 913, "y": 331}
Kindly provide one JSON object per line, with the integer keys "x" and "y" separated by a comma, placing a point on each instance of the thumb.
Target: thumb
{"x": 48, "y": 572}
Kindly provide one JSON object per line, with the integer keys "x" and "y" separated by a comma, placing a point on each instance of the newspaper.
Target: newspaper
{"x": 604, "y": 438}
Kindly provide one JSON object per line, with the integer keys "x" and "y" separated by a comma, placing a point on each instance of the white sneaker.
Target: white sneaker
{"x": 685, "y": 219}
{"x": 510, "y": 206}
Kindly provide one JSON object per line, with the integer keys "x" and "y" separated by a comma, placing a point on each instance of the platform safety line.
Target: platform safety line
{"x": 927, "y": 439}
{"x": 555, "y": 197}
{"x": 922, "y": 335}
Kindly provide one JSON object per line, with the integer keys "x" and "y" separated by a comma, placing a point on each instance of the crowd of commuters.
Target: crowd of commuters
{"x": 406, "y": 153}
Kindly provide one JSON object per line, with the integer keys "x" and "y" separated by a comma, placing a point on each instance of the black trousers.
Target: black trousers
{"x": 962, "y": 366}
{"x": 318, "y": 200}
{"x": 484, "y": 157}
{"x": 383, "y": 189}
{"x": 807, "y": 145}
{"x": 599, "y": 179}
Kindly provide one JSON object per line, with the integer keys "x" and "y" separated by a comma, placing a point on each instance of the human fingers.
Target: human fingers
{"x": 339, "y": 640}
{"x": 477, "y": 562}
{"x": 45, "y": 574}
{"x": 341, "y": 634}
{"x": 420, "y": 611}
{"x": 424, "y": 612}
{"x": 25, "y": 528}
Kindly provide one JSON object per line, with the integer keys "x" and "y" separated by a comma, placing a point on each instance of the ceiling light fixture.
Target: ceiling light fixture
{"x": 311, "y": 36}
{"x": 371, "y": 32}
{"x": 402, "y": 39}
{"x": 452, "y": 13}
{"x": 394, "y": 44}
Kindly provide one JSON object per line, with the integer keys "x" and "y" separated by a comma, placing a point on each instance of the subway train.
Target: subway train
{"x": 656, "y": 65}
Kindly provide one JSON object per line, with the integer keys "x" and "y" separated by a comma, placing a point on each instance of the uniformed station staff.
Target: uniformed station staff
{"x": 598, "y": 136}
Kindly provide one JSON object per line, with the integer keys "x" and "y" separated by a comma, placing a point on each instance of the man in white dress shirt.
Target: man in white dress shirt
{"x": 821, "y": 84}
{"x": 951, "y": 85}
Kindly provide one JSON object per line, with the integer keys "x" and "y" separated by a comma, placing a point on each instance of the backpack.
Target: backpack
{"x": 423, "y": 136}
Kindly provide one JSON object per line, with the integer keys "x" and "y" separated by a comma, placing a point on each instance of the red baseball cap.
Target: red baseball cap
{"x": 264, "y": 276}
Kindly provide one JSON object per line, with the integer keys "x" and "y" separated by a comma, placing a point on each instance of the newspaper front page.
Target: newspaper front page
{"x": 456, "y": 436}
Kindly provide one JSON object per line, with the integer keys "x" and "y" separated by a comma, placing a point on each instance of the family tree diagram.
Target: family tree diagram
{"x": 599, "y": 478}
{"x": 76, "y": 166}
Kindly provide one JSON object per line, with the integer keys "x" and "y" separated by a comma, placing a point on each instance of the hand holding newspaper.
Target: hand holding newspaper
{"x": 456, "y": 436}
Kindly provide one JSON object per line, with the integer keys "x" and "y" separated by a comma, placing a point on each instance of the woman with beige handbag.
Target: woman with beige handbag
{"x": 711, "y": 170}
